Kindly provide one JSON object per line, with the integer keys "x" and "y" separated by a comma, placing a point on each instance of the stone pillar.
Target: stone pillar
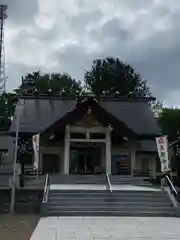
{"x": 66, "y": 150}
{"x": 133, "y": 160}
{"x": 108, "y": 152}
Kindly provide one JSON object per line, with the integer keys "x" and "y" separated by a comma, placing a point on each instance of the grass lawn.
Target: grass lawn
{"x": 17, "y": 227}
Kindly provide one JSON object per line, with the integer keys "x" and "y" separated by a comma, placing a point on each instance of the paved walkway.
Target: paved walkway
{"x": 100, "y": 187}
{"x": 109, "y": 228}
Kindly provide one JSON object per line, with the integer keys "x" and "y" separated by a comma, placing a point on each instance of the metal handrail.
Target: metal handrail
{"x": 108, "y": 183}
{"x": 171, "y": 184}
{"x": 46, "y": 189}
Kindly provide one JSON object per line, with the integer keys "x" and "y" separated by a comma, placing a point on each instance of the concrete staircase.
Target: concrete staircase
{"x": 129, "y": 180}
{"x": 78, "y": 179}
{"x": 103, "y": 203}
{"x": 33, "y": 182}
{"x": 99, "y": 179}
{"x": 4, "y": 201}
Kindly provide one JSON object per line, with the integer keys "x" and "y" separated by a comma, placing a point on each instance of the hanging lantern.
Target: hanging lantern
{"x": 22, "y": 146}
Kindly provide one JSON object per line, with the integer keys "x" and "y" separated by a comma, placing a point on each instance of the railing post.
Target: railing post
{"x": 108, "y": 183}
{"x": 46, "y": 189}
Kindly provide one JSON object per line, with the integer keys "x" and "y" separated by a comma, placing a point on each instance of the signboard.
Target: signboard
{"x": 162, "y": 147}
{"x": 35, "y": 140}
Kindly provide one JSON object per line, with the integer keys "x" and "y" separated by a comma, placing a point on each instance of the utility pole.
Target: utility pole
{"x": 19, "y": 105}
{"x": 13, "y": 190}
{"x": 3, "y": 17}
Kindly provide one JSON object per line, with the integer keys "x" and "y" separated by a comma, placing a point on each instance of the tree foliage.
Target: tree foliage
{"x": 112, "y": 75}
{"x": 157, "y": 107}
{"x": 7, "y": 105}
{"x": 169, "y": 120}
{"x": 54, "y": 81}
{"x": 105, "y": 76}
{"x": 42, "y": 82}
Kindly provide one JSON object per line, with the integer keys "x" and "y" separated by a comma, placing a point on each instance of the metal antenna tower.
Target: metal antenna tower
{"x": 3, "y": 17}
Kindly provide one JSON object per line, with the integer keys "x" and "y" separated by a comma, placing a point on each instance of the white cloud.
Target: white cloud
{"x": 61, "y": 35}
{"x": 44, "y": 20}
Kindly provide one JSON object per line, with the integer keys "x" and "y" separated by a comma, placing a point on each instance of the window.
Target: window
{"x": 97, "y": 135}
{"x": 77, "y": 135}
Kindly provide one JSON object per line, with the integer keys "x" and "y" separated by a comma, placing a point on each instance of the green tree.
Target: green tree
{"x": 54, "y": 81}
{"x": 42, "y": 82}
{"x": 7, "y": 105}
{"x": 157, "y": 107}
{"x": 169, "y": 120}
{"x": 111, "y": 75}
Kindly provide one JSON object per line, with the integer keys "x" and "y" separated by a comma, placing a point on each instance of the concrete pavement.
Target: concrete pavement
{"x": 107, "y": 228}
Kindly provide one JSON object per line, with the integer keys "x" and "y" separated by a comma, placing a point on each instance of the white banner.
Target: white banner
{"x": 35, "y": 140}
{"x": 162, "y": 147}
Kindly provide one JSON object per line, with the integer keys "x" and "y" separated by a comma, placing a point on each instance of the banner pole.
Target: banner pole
{"x": 35, "y": 139}
{"x": 37, "y": 166}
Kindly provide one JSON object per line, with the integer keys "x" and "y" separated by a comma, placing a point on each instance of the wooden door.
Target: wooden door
{"x": 121, "y": 164}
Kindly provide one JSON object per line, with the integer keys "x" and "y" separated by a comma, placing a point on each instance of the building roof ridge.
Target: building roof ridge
{"x": 83, "y": 98}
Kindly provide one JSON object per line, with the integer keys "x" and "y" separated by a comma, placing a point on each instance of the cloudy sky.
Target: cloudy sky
{"x": 59, "y": 35}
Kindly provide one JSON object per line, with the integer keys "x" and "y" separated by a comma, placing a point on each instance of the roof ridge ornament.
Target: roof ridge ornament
{"x": 131, "y": 96}
{"x": 90, "y": 95}
{"x": 87, "y": 96}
